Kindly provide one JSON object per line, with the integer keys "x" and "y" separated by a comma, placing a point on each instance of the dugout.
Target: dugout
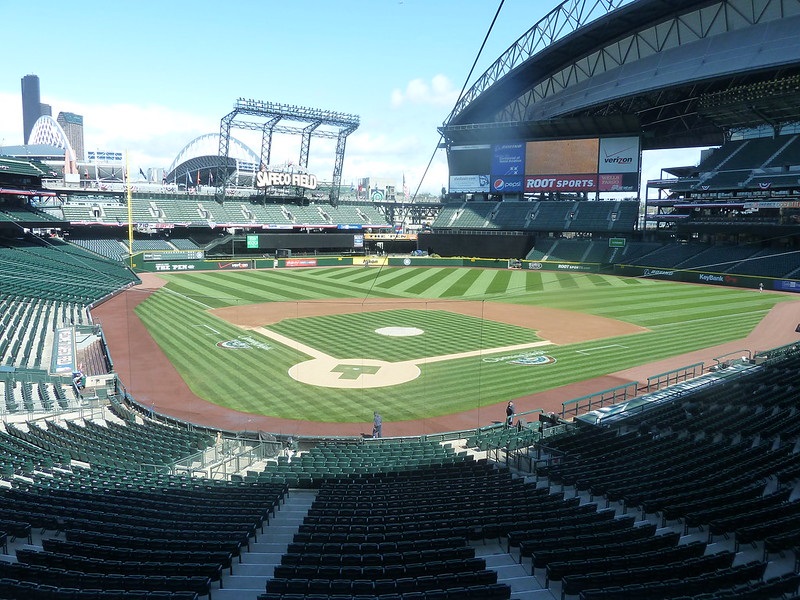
{"x": 489, "y": 244}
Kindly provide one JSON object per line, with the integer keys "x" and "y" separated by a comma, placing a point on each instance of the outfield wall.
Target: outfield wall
{"x": 166, "y": 266}
{"x": 622, "y": 270}
{"x": 725, "y": 279}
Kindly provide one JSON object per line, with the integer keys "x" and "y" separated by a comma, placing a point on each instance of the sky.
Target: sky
{"x": 149, "y": 77}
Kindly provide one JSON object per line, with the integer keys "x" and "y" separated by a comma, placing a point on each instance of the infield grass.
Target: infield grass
{"x": 681, "y": 318}
{"x": 361, "y": 340}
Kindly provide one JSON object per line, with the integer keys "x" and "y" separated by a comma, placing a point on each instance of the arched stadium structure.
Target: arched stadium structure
{"x": 673, "y": 479}
{"x": 47, "y": 131}
{"x": 197, "y": 162}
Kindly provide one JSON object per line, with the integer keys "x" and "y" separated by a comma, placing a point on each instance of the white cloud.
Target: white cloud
{"x": 399, "y": 142}
{"x": 11, "y": 121}
{"x": 385, "y": 155}
{"x": 438, "y": 91}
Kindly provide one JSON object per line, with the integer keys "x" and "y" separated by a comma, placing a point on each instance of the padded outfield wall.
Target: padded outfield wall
{"x": 709, "y": 278}
{"x": 682, "y": 275}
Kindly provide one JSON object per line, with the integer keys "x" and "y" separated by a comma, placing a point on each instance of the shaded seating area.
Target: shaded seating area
{"x": 201, "y": 210}
{"x": 28, "y": 325}
{"x": 397, "y": 533}
{"x": 544, "y": 215}
{"x": 59, "y": 271}
{"x": 690, "y": 498}
{"x": 714, "y": 465}
{"x": 333, "y": 460}
{"x": 138, "y": 445}
{"x": 38, "y": 392}
{"x": 125, "y": 534}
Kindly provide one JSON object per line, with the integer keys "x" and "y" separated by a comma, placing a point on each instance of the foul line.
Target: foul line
{"x": 590, "y": 350}
{"x": 741, "y": 314}
{"x": 185, "y": 297}
{"x": 208, "y": 327}
{"x": 287, "y": 341}
{"x": 433, "y": 359}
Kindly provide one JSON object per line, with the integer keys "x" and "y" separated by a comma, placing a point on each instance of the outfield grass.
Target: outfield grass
{"x": 681, "y": 318}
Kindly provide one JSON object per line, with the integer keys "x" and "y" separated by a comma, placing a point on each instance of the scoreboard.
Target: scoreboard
{"x": 304, "y": 241}
{"x": 608, "y": 164}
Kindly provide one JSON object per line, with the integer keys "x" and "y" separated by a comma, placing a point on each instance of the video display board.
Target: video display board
{"x": 561, "y": 165}
{"x": 618, "y": 165}
{"x": 508, "y": 167}
{"x": 572, "y": 165}
{"x": 469, "y": 168}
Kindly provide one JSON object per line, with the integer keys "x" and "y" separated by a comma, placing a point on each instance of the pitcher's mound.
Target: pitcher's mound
{"x": 399, "y": 331}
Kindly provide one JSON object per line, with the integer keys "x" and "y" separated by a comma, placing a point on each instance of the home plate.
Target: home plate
{"x": 353, "y": 373}
{"x": 399, "y": 331}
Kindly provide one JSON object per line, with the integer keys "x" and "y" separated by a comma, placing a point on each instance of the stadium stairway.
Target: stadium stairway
{"x": 249, "y": 578}
{"x": 778, "y": 564}
{"x": 258, "y": 565}
{"x": 509, "y": 571}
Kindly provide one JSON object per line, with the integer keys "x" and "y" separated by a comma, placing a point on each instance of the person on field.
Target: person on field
{"x": 509, "y": 413}
{"x": 377, "y": 425}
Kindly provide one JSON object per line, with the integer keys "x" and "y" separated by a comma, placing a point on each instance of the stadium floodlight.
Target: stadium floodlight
{"x": 313, "y": 122}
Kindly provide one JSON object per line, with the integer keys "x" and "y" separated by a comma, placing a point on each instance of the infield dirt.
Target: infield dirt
{"x": 558, "y": 326}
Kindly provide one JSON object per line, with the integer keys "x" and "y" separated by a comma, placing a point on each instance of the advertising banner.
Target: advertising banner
{"x": 584, "y": 182}
{"x": 619, "y": 155}
{"x": 164, "y": 266}
{"x": 173, "y": 255}
{"x": 787, "y": 285}
{"x": 617, "y": 182}
{"x": 508, "y": 159}
{"x": 469, "y": 183}
{"x": 63, "y": 361}
{"x": 508, "y": 183}
{"x": 300, "y": 262}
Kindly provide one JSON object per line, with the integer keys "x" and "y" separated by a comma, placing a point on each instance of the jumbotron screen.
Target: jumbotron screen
{"x": 573, "y": 165}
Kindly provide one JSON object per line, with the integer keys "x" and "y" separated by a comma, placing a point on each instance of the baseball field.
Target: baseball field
{"x": 332, "y": 344}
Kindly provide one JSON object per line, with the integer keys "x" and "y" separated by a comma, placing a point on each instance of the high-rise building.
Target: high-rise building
{"x": 45, "y": 110}
{"x": 31, "y": 104}
{"x": 72, "y": 125}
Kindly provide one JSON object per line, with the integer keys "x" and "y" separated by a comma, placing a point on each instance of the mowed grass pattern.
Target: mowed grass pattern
{"x": 443, "y": 332}
{"x": 680, "y": 317}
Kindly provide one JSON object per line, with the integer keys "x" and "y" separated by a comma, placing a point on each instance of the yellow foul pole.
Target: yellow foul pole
{"x": 130, "y": 210}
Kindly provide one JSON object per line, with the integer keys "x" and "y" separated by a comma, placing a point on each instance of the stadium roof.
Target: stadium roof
{"x": 16, "y": 166}
{"x": 37, "y": 151}
{"x": 650, "y": 61}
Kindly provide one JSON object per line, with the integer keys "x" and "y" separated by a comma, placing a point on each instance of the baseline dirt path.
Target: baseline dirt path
{"x": 153, "y": 380}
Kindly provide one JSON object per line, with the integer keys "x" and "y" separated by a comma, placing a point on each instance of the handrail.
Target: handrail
{"x": 619, "y": 393}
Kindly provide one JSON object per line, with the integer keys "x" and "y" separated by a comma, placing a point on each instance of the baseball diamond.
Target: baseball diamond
{"x": 588, "y": 327}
